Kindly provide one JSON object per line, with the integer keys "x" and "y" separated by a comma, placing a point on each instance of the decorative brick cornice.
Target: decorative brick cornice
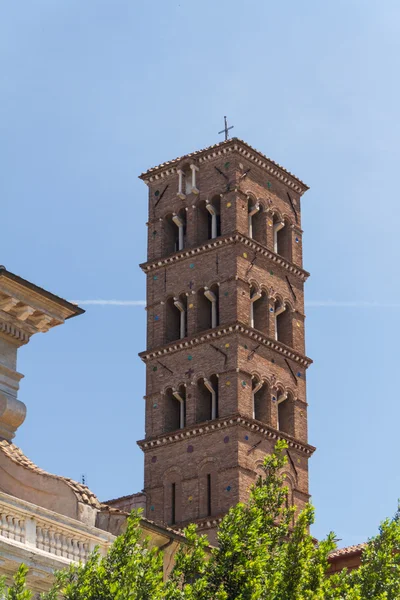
{"x": 211, "y": 426}
{"x": 20, "y": 336}
{"x": 220, "y": 150}
{"x": 221, "y": 332}
{"x": 234, "y": 238}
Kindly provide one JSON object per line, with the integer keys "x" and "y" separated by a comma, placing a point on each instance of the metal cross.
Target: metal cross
{"x": 226, "y": 129}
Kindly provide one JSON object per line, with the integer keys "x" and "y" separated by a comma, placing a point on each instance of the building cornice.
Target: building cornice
{"x": 211, "y": 426}
{"x": 234, "y": 238}
{"x": 222, "y": 149}
{"x": 221, "y": 332}
{"x": 20, "y": 336}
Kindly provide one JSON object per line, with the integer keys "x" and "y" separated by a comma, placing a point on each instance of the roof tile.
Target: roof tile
{"x": 82, "y": 492}
{"x": 197, "y": 153}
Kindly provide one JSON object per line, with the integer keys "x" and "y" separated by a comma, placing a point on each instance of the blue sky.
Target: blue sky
{"x": 95, "y": 92}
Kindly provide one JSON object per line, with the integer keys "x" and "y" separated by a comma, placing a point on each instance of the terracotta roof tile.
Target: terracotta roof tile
{"x": 346, "y": 551}
{"x": 81, "y": 491}
{"x": 127, "y": 497}
{"x": 197, "y": 153}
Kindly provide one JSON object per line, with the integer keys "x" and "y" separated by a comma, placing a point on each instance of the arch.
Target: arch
{"x": 259, "y": 471}
{"x": 283, "y": 322}
{"x": 286, "y": 413}
{"x": 174, "y": 232}
{"x": 209, "y": 219}
{"x": 208, "y": 486}
{"x": 174, "y": 408}
{"x": 208, "y": 308}
{"x": 282, "y": 232}
{"x": 172, "y": 484}
{"x": 261, "y": 395}
{"x": 259, "y": 317}
{"x": 256, "y": 220}
{"x": 207, "y": 399}
{"x": 176, "y": 318}
{"x": 290, "y": 484}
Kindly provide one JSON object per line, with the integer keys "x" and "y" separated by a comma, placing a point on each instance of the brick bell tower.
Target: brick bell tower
{"x": 225, "y": 359}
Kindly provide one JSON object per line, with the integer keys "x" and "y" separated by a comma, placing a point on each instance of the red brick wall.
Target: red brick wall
{"x": 230, "y": 453}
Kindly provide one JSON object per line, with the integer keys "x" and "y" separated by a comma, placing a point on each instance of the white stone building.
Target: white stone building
{"x": 47, "y": 521}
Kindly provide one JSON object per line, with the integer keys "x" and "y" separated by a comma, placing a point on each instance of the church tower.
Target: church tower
{"x": 225, "y": 358}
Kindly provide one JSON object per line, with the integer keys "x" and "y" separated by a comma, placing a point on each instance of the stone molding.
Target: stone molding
{"x": 221, "y": 149}
{"x": 234, "y": 420}
{"x": 233, "y": 238}
{"x": 221, "y": 332}
{"x": 10, "y": 330}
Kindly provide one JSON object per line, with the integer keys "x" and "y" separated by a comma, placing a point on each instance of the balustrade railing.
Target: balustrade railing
{"x": 12, "y": 527}
{"x": 49, "y": 532}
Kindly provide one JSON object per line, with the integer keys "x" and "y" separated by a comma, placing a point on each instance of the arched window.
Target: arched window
{"x": 282, "y": 238}
{"x": 174, "y": 232}
{"x": 208, "y": 308}
{"x": 176, "y": 318}
{"x": 208, "y": 487}
{"x": 261, "y": 401}
{"x": 175, "y": 409}
{"x": 172, "y": 484}
{"x": 285, "y": 413}
{"x": 256, "y": 228}
{"x": 214, "y": 218}
{"x": 209, "y": 220}
{"x": 287, "y": 483}
{"x": 283, "y": 324}
{"x": 259, "y": 310}
{"x": 207, "y": 399}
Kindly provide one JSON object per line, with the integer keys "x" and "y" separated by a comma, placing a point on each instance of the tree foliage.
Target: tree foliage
{"x": 263, "y": 553}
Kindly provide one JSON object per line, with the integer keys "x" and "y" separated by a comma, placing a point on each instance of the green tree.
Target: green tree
{"x": 18, "y": 590}
{"x": 263, "y": 554}
{"x": 130, "y": 570}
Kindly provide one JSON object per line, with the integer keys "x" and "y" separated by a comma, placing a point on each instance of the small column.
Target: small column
{"x": 181, "y": 193}
{"x": 194, "y": 186}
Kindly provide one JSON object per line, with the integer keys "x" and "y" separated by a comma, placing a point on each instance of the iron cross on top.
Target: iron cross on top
{"x": 226, "y": 129}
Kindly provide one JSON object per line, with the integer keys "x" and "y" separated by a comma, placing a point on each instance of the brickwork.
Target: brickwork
{"x": 225, "y": 359}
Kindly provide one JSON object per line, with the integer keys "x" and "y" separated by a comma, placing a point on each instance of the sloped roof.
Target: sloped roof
{"x": 198, "y": 153}
{"x": 74, "y": 308}
{"x": 81, "y": 491}
{"x": 340, "y": 552}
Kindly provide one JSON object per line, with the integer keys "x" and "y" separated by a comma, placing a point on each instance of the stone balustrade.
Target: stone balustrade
{"x": 33, "y": 527}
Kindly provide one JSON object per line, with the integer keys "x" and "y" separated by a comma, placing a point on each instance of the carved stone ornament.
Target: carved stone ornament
{"x": 12, "y": 415}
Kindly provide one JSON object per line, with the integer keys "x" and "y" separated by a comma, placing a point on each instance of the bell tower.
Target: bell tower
{"x": 225, "y": 358}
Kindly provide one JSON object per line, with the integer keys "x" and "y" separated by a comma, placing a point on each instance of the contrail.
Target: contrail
{"x": 111, "y": 302}
{"x": 349, "y": 304}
